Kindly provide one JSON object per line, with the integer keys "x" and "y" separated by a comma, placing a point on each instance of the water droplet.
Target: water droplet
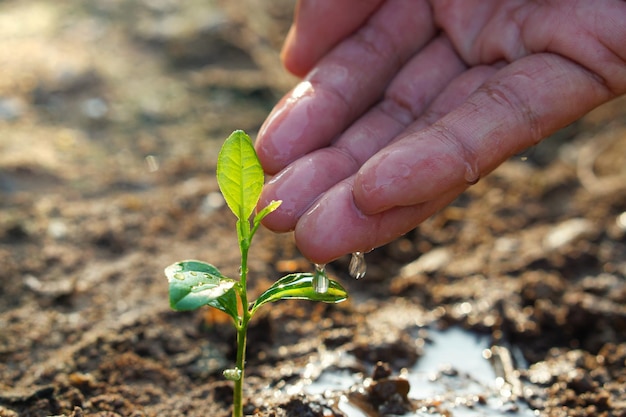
{"x": 232, "y": 374}
{"x": 358, "y": 267}
{"x": 320, "y": 279}
{"x": 472, "y": 173}
{"x": 179, "y": 276}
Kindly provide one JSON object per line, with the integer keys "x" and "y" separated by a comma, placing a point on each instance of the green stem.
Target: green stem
{"x": 242, "y": 331}
{"x": 241, "y": 359}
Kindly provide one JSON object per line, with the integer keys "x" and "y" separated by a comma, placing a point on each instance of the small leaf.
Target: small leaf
{"x": 239, "y": 174}
{"x": 273, "y": 205}
{"x": 300, "y": 286}
{"x": 194, "y": 284}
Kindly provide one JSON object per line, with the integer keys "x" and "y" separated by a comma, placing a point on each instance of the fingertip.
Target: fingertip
{"x": 301, "y": 183}
{"x": 282, "y": 130}
{"x": 293, "y": 60}
{"x": 279, "y": 221}
{"x": 375, "y": 181}
{"x": 314, "y": 243}
{"x": 371, "y": 200}
{"x": 265, "y": 152}
{"x": 306, "y": 119}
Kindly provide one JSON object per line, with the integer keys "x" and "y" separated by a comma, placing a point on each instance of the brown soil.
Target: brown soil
{"x": 111, "y": 114}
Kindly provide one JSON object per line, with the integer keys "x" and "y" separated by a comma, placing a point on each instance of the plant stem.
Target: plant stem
{"x": 242, "y": 330}
{"x": 241, "y": 358}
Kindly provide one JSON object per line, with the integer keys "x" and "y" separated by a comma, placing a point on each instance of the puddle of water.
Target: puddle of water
{"x": 454, "y": 368}
{"x": 453, "y": 371}
{"x": 454, "y": 349}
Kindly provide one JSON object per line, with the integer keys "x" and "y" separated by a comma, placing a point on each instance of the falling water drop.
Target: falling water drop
{"x": 320, "y": 279}
{"x": 358, "y": 267}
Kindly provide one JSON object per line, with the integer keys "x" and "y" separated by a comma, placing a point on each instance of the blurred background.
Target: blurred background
{"x": 96, "y": 95}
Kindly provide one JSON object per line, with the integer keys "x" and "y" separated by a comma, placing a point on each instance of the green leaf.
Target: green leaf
{"x": 273, "y": 205}
{"x": 239, "y": 174}
{"x": 300, "y": 286}
{"x": 194, "y": 284}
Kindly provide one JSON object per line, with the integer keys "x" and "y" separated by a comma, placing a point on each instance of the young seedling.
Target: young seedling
{"x": 193, "y": 284}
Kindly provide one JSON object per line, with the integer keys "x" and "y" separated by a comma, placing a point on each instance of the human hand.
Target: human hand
{"x": 408, "y": 102}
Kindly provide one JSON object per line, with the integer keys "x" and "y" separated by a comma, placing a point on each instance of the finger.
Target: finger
{"x": 318, "y": 26}
{"x": 334, "y": 226}
{"x": 415, "y": 87}
{"x": 523, "y": 103}
{"x": 348, "y": 81}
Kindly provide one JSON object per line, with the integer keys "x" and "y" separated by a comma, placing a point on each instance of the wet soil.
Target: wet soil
{"x": 111, "y": 114}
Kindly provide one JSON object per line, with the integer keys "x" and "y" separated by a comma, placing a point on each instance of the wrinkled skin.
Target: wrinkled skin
{"x": 405, "y": 103}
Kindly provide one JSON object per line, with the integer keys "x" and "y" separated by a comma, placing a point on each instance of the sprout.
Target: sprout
{"x": 193, "y": 284}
